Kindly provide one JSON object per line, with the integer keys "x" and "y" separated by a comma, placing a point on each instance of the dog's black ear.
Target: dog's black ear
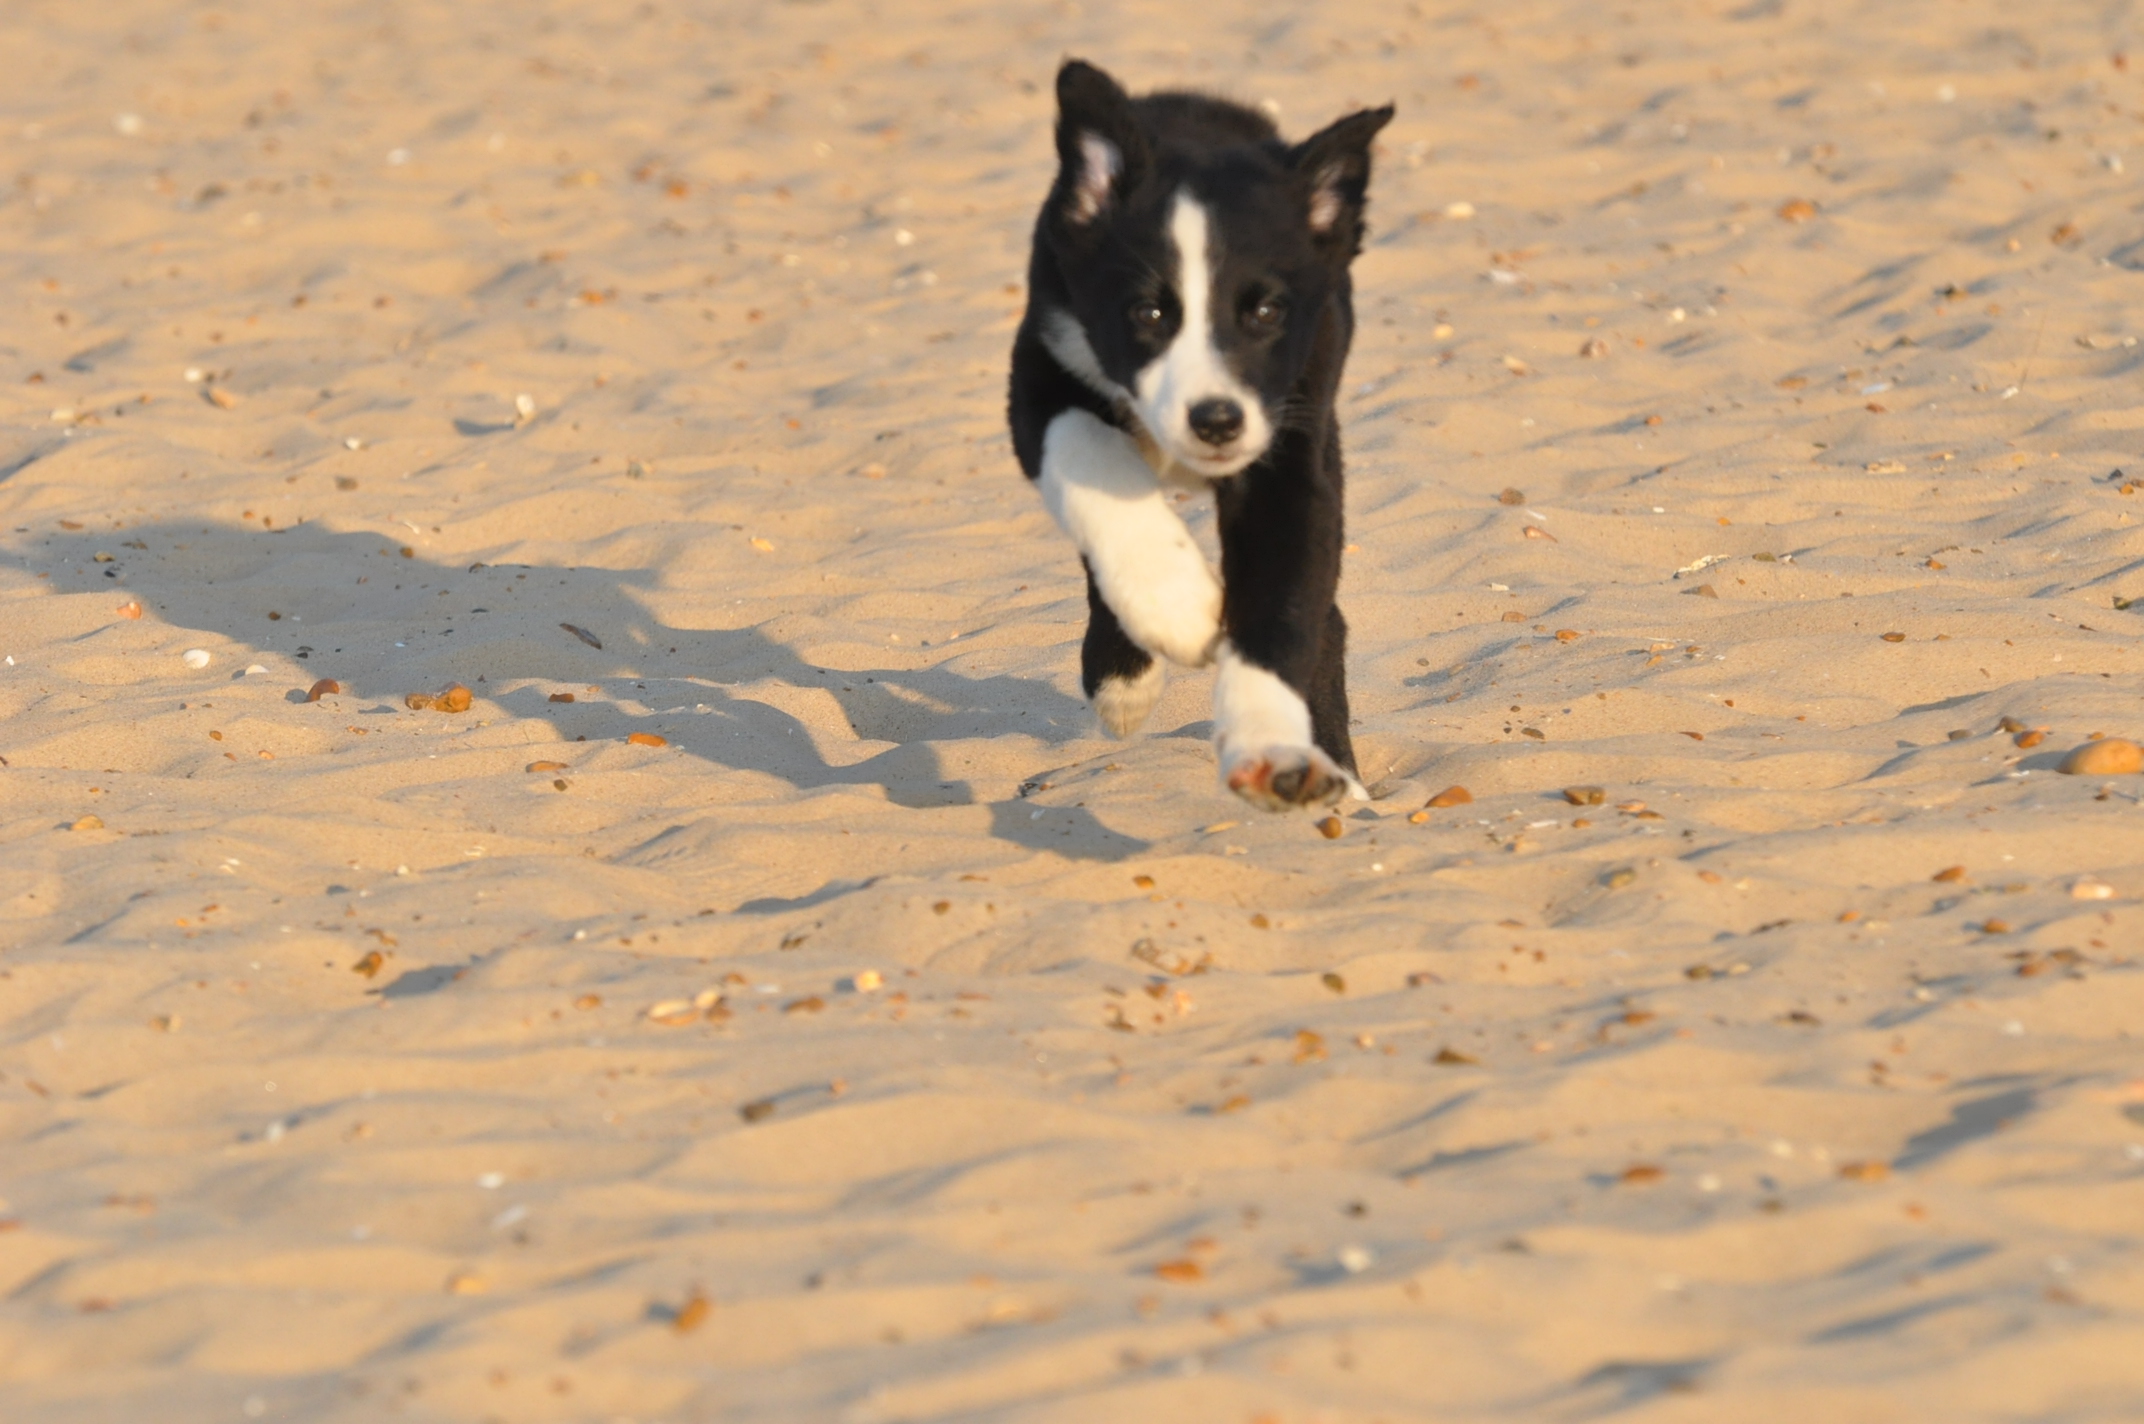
{"x": 1100, "y": 149}
{"x": 1334, "y": 164}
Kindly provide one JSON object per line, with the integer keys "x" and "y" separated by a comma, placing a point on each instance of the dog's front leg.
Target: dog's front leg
{"x": 1155, "y": 587}
{"x": 1280, "y": 699}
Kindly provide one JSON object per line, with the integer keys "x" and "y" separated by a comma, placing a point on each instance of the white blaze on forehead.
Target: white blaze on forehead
{"x": 1192, "y": 369}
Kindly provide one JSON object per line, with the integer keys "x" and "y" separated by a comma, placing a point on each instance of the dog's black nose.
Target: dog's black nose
{"x": 1217, "y": 420}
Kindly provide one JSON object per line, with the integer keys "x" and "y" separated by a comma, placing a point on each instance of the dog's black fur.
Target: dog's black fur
{"x": 1250, "y": 416}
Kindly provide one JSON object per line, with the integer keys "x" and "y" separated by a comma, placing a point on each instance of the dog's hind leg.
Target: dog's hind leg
{"x": 1141, "y": 560}
{"x": 1119, "y": 677}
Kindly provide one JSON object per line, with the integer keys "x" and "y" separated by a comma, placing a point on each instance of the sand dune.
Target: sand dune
{"x": 640, "y": 368}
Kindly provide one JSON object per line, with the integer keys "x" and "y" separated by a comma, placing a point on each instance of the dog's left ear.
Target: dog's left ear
{"x": 1099, "y": 144}
{"x": 1335, "y": 166}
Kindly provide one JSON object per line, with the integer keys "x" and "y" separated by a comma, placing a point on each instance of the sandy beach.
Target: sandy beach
{"x": 773, "y": 998}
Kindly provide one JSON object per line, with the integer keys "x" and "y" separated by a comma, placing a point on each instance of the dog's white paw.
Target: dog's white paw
{"x": 1123, "y": 702}
{"x": 1172, "y": 607}
{"x": 1284, "y": 778}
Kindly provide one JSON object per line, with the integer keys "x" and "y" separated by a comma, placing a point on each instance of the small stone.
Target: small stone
{"x": 1894, "y": 637}
{"x": 1865, "y": 1171}
{"x": 1181, "y": 1271}
{"x": 195, "y": 658}
{"x": 647, "y": 739}
{"x": 88, "y": 823}
{"x": 467, "y": 1283}
{"x": 757, "y": 1112}
{"x": 2029, "y": 739}
{"x": 1333, "y": 982}
{"x": 866, "y": 980}
{"x": 1331, "y": 828}
{"x": 1452, "y": 1057}
{"x": 1593, "y": 349}
{"x": 1619, "y": 878}
{"x": 1797, "y": 210}
{"x": 541, "y": 766}
{"x": 691, "y": 1314}
{"x": 1535, "y": 531}
{"x": 2011, "y": 724}
{"x": 2111, "y": 756}
{"x": 1584, "y": 795}
{"x": 1949, "y": 875}
{"x": 1641, "y": 1174}
{"x": 369, "y": 965}
{"x": 1961, "y": 735}
{"x": 1450, "y": 796}
{"x": 326, "y": 687}
{"x": 2090, "y": 889}
{"x": 1511, "y": 496}
{"x": 1512, "y": 615}
{"x": 673, "y": 1013}
{"x": 1703, "y": 590}
{"x": 130, "y": 609}
{"x": 561, "y": 697}
{"x": 1995, "y": 927}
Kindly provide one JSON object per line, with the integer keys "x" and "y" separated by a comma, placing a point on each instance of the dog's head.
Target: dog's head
{"x": 1200, "y": 253}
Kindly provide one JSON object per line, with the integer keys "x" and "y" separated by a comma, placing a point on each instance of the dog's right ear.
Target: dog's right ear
{"x": 1101, "y": 153}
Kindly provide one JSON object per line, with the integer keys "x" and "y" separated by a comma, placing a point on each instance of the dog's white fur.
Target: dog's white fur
{"x": 1192, "y": 369}
{"x": 1150, "y": 572}
{"x": 1262, "y": 729}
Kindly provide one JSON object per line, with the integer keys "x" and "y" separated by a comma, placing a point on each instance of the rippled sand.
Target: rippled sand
{"x": 392, "y": 344}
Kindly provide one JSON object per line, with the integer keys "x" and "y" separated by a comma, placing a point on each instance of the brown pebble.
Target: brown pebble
{"x": 2110, "y": 756}
{"x": 1333, "y": 982}
{"x": 561, "y": 697}
{"x": 1640, "y": 1174}
{"x": 1593, "y": 349}
{"x": 130, "y": 609}
{"x": 1514, "y": 616}
{"x": 1995, "y": 927}
{"x": 418, "y": 701}
{"x": 1330, "y": 828}
{"x": 757, "y": 1112}
{"x": 1703, "y": 590}
{"x": 691, "y": 1314}
{"x": 1865, "y": 1171}
{"x": 1584, "y": 795}
{"x": 1535, "y": 531}
{"x": 1797, "y": 210}
{"x": 1181, "y": 1271}
{"x": 1450, "y": 796}
{"x": 648, "y": 739}
{"x": 1453, "y": 1057}
{"x": 1418, "y": 818}
{"x": 1511, "y": 496}
{"x": 2011, "y": 724}
{"x": 2029, "y": 739}
{"x": 1567, "y": 635}
{"x": 88, "y": 823}
{"x": 219, "y": 397}
{"x": 326, "y": 687}
{"x": 455, "y": 699}
{"x": 1894, "y": 637}
{"x": 1949, "y": 875}
{"x": 536, "y": 766}
{"x": 370, "y": 964}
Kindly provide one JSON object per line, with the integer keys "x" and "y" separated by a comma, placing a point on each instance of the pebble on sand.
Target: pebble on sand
{"x": 1451, "y": 796}
{"x": 2110, "y": 756}
{"x": 195, "y": 658}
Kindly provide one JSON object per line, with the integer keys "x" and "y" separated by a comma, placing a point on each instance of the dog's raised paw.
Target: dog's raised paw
{"x": 1285, "y": 778}
{"x": 1173, "y": 611}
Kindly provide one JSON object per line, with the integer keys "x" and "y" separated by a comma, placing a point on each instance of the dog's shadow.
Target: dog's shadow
{"x": 383, "y": 621}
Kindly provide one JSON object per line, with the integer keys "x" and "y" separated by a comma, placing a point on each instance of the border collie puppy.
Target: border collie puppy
{"x": 1189, "y": 312}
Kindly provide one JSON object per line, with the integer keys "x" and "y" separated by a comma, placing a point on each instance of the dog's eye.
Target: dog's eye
{"x": 1268, "y": 312}
{"x": 1148, "y": 316}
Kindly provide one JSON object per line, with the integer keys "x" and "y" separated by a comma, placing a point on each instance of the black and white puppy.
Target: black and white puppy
{"x": 1189, "y": 312}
